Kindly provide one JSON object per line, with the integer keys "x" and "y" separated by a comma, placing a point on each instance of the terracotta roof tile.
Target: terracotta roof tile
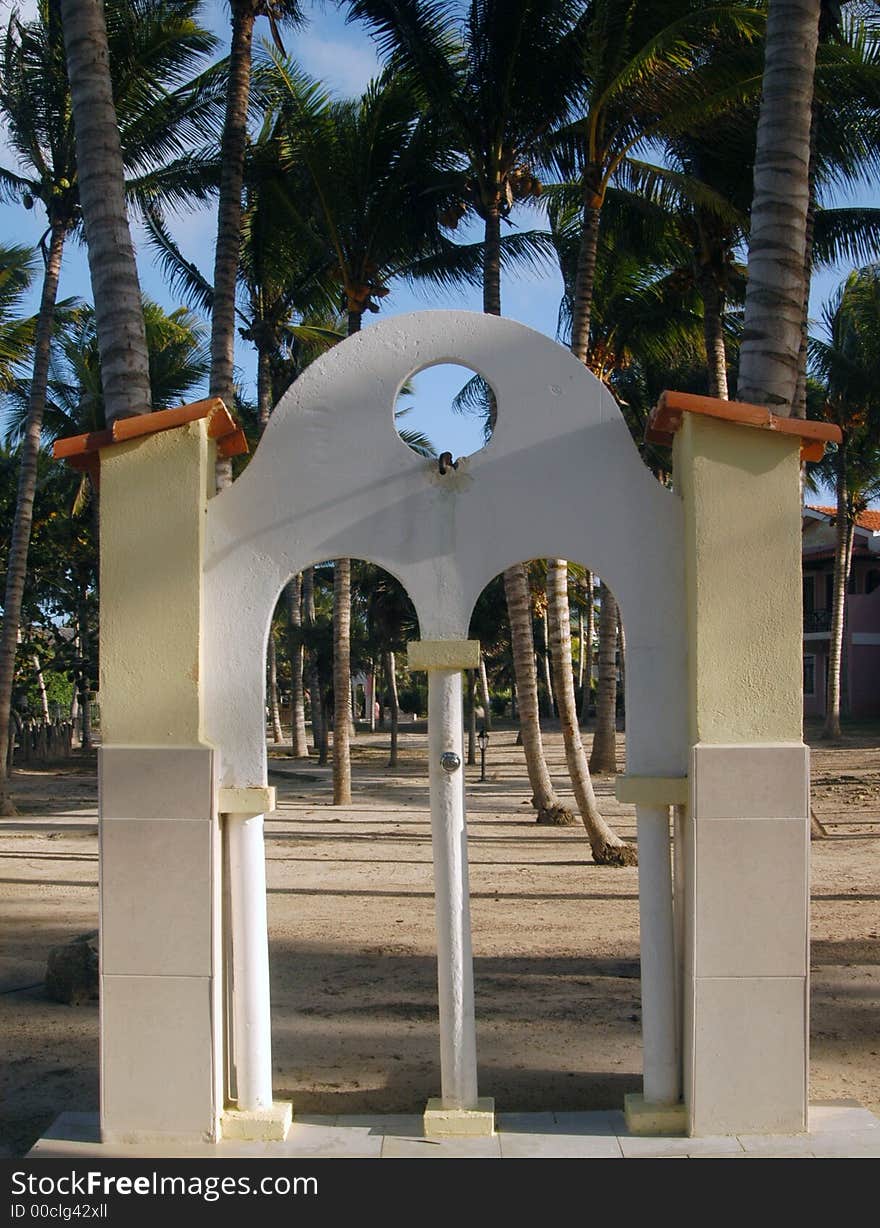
{"x": 869, "y": 519}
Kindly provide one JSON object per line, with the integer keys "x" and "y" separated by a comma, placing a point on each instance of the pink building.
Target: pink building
{"x": 861, "y": 652}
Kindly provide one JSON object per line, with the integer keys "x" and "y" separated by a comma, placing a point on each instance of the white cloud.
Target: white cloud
{"x": 345, "y": 67}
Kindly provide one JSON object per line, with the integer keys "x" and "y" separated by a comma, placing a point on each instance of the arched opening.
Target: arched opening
{"x": 555, "y": 935}
{"x": 447, "y": 407}
{"x": 349, "y": 888}
{"x": 353, "y": 952}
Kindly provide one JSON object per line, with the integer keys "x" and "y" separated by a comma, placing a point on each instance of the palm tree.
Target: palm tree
{"x": 154, "y": 49}
{"x": 115, "y": 287}
{"x": 847, "y": 360}
{"x": 232, "y": 153}
{"x": 501, "y": 79}
{"x": 768, "y": 370}
{"x": 370, "y": 175}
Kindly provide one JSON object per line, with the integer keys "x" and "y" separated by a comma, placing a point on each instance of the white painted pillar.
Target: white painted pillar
{"x": 458, "y": 1045}
{"x": 662, "y": 1083}
{"x": 252, "y": 1031}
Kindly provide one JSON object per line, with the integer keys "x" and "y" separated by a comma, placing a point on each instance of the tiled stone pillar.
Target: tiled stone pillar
{"x": 159, "y": 838}
{"x": 746, "y": 830}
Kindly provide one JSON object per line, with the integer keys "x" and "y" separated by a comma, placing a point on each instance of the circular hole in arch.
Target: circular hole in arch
{"x": 445, "y": 408}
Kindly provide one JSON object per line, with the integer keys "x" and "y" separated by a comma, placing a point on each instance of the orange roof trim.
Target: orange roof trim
{"x": 81, "y": 451}
{"x": 666, "y": 418}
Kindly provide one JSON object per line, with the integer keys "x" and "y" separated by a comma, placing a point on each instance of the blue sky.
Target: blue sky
{"x": 343, "y": 58}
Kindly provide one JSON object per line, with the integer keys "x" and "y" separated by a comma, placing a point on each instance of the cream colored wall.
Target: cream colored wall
{"x": 742, "y": 568}
{"x": 153, "y": 503}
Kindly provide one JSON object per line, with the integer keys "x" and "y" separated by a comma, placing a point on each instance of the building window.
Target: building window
{"x": 872, "y": 580}
{"x": 809, "y": 674}
{"x": 829, "y": 591}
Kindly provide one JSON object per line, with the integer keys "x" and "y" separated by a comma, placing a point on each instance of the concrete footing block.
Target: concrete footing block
{"x": 656, "y": 1120}
{"x": 440, "y": 1122}
{"x": 258, "y": 1125}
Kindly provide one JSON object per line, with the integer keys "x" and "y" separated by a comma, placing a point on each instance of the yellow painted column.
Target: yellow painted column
{"x": 746, "y": 831}
{"x": 160, "y": 1008}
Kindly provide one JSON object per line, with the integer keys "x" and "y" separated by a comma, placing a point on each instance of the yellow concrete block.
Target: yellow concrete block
{"x": 652, "y": 790}
{"x": 153, "y": 504}
{"x": 443, "y": 654}
{"x": 255, "y": 800}
{"x": 258, "y": 1125}
{"x": 440, "y": 1122}
{"x": 654, "y": 1120}
{"x": 742, "y": 515}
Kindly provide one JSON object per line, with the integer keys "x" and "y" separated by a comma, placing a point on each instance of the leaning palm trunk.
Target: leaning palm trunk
{"x": 16, "y": 560}
{"x": 608, "y": 848}
{"x": 484, "y": 695}
{"x": 226, "y": 255}
{"x": 768, "y": 368}
{"x": 299, "y": 743}
{"x": 272, "y": 669}
{"x": 391, "y": 677}
{"x": 342, "y": 682}
{"x": 550, "y": 809}
{"x": 603, "y": 757}
{"x": 119, "y": 316}
{"x": 842, "y": 563}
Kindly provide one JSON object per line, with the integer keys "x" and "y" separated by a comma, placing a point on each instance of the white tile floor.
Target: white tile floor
{"x": 836, "y": 1130}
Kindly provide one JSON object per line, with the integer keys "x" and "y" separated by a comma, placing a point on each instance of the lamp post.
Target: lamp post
{"x": 482, "y": 742}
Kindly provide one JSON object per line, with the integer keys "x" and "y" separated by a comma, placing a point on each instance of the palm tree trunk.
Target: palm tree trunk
{"x": 621, "y": 657}
{"x": 272, "y": 669}
{"x": 264, "y": 387}
{"x": 471, "y": 718}
{"x": 603, "y": 757}
{"x": 484, "y": 694}
{"x": 41, "y": 685}
{"x": 608, "y": 848}
{"x": 774, "y": 307}
{"x": 119, "y": 316}
{"x": 342, "y": 722}
{"x": 587, "y": 649}
{"x": 519, "y": 607}
{"x": 342, "y": 682}
{"x": 580, "y": 678}
{"x": 16, "y": 561}
{"x": 585, "y": 276}
{"x": 842, "y": 563}
{"x": 545, "y": 658}
{"x": 299, "y": 743}
{"x": 319, "y": 725}
{"x": 391, "y": 676}
{"x": 799, "y": 408}
{"x": 226, "y": 255}
{"x": 713, "y": 335}
{"x": 492, "y": 263}
{"x": 83, "y": 680}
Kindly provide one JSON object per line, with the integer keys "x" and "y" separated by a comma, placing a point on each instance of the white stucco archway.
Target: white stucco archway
{"x": 332, "y": 479}
{"x": 708, "y": 579}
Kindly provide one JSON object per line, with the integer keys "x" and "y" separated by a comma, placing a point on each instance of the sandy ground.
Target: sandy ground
{"x": 556, "y": 940}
